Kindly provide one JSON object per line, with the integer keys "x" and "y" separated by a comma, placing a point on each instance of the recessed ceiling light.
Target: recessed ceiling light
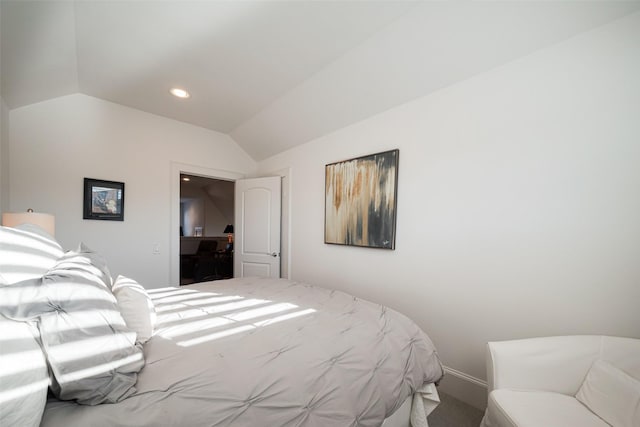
{"x": 179, "y": 93}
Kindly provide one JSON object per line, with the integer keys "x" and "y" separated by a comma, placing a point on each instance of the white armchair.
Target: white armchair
{"x": 564, "y": 381}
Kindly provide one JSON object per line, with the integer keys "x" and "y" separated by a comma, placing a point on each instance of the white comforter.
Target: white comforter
{"x": 267, "y": 352}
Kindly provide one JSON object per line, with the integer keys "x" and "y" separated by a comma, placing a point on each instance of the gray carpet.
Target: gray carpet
{"x": 453, "y": 413}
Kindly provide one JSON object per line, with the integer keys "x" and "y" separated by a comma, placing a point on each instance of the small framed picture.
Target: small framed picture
{"x": 103, "y": 200}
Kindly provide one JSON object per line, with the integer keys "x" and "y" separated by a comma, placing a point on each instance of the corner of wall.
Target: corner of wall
{"x": 464, "y": 387}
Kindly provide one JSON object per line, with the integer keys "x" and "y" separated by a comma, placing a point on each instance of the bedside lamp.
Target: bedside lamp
{"x": 229, "y": 231}
{"x": 45, "y": 221}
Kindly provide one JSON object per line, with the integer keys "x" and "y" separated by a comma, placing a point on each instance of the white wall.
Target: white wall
{"x": 518, "y": 201}
{"x": 55, "y": 144}
{"x": 3, "y": 144}
{"x": 4, "y": 149}
{"x": 4, "y": 155}
{"x": 201, "y": 210}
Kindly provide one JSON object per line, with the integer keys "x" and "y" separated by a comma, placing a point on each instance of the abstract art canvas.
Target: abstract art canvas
{"x": 360, "y": 201}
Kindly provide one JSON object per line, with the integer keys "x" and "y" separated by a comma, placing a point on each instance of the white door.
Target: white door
{"x": 257, "y": 231}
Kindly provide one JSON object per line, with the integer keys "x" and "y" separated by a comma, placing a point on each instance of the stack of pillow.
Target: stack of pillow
{"x": 65, "y": 324}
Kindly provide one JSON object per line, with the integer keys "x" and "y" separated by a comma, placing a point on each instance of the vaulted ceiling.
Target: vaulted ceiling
{"x": 272, "y": 74}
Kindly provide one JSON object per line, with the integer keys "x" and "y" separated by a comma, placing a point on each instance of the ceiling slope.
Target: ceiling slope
{"x": 272, "y": 74}
{"x": 38, "y": 49}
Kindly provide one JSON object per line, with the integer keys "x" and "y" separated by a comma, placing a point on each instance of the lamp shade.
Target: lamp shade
{"x": 45, "y": 221}
{"x": 228, "y": 229}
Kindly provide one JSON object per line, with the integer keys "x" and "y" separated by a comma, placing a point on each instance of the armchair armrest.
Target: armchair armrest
{"x": 556, "y": 364}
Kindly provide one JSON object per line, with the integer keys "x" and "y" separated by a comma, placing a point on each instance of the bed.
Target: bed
{"x": 238, "y": 352}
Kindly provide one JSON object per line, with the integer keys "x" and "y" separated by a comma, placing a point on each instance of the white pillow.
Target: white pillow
{"x": 23, "y": 375}
{"x": 612, "y": 395}
{"x": 26, "y": 252}
{"x": 136, "y": 307}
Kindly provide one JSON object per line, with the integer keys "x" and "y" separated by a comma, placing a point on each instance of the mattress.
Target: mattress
{"x": 268, "y": 352}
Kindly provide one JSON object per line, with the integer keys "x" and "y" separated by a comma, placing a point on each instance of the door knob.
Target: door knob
{"x": 274, "y": 254}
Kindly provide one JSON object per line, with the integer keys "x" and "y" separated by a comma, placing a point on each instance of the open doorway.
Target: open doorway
{"x": 206, "y": 228}
{"x": 178, "y": 169}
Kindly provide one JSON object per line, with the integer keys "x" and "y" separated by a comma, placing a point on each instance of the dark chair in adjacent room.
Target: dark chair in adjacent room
{"x": 205, "y": 265}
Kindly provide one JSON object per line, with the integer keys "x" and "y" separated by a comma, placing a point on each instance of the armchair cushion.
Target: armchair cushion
{"x": 612, "y": 395}
{"x": 538, "y": 408}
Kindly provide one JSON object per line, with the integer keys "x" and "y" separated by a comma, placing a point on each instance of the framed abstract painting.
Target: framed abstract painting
{"x": 360, "y": 201}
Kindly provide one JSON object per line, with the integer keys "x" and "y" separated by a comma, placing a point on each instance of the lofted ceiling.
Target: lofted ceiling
{"x": 272, "y": 74}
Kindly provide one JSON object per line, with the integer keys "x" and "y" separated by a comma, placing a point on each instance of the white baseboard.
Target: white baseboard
{"x": 464, "y": 387}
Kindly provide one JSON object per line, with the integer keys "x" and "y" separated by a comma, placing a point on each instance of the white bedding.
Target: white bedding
{"x": 269, "y": 352}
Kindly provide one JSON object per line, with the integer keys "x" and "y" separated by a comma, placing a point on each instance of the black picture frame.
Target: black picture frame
{"x": 361, "y": 201}
{"x": 103, "y": 200}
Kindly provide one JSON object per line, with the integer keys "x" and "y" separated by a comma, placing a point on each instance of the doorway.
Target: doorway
{"x": 178, "y": 170}
{"x": 206, "y": 229}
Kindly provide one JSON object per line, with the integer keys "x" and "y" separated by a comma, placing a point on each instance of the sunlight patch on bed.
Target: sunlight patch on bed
{"x": 178, "y": 316}
{"x": 177, "y": 313}
{"x": 157, "y": 294}
{"x": 22, "y": 391}
{"x": 180, "y": 298}
{"x": 85, "y": 319}
{"x": 168, "y": 307}
{"x": 78, "y": 267}
{"x": 232, "y": 331}
{"x": 212, "y": 309}
{"x": 219, "y": 308}
{"x": 26, "y": 295}
{"x": 284, "y": 317}
{"x": 17, "y": 245}
{"x": 21, "y": 262}
{"x": 186, "y": 328}
{"x": 19, "y": 361}
{"x": 89, "y": 347}
{"x": 262, "y": 311}
{"x": 213, "y": 300}
{"x": 215, "y": 336}
{"x": 28, "y": 254}
{"x": 195, "y": 326}
{"x": 180, "y": 319}
{"x": 99, "y": 369}
{"x": 237, "y": 305}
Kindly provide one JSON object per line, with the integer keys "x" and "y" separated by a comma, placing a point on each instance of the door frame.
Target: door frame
{"x": 178, "y": 168}
{"x": 174, "y": 238}
{"x": 285, "y": 220}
